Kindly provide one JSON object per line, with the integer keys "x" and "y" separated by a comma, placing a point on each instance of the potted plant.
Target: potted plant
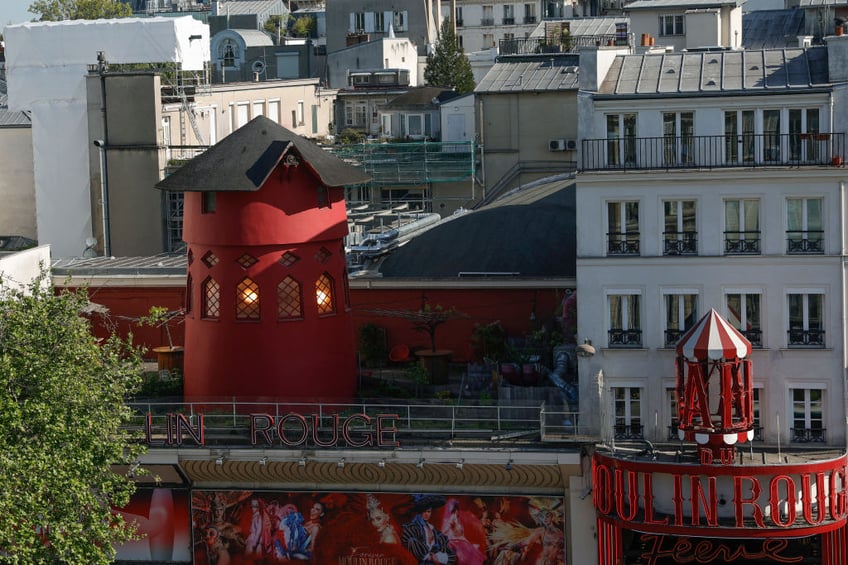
{"x": 372, "y": 345}
{"x": 168, "y": 357}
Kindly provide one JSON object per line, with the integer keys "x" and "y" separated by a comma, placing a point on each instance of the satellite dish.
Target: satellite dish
{"x": 258, "y": 66}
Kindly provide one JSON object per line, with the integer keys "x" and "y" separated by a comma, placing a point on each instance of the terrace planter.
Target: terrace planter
{"x": 437, "y": 364}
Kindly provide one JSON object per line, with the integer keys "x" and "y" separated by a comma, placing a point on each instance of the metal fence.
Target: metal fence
{"x": 230, "y": 423}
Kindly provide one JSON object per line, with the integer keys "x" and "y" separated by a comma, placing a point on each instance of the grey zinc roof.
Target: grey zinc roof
{"x": 679, "y": 4}
{"x": 253, "y": 37}
{"x": 8, "y": 118}
{"x": 814, "y": 3}
{"x": 596, "y": 25}
{"x": 165, "y": 264}
{"x": 238, "y": 7}
{"x": 536, "y": 73}
{"x": 530, "y": 233}
{"x": 716, "y": 71}
{"x": 421, "y": 98}
{"x": 243, "y": 160}
{"x": 769, "y": 29}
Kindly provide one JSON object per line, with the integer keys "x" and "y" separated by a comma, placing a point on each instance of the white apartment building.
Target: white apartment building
{"x": 714, "y": 180}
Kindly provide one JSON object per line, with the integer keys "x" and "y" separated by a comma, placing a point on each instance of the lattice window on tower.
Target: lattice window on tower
{"x": 324, "y": 294}
{"x": 289, "y": 300}
{"x": 247, "y": 260}
{"x": 323, "y": 255}
{"x": 210, "y": 259}
{"x": 188, "y": 294}
{"x": 211, "y": 309}
{"x": 247, "y": 300}
{"x": 288, "y": 259}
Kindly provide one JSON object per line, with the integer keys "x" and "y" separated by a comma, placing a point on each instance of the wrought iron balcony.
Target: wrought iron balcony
{"x": 754, "y": 336}
{"x": 673, "y": 336}
{"x": 808, "y": 435}
{"x": 742, "y": 242}
{"x": 623, "y": 243}
{"x": 487, "y": 21}
{"x": 529, "y": 19}
{"x": 810, "y": 241}
{"x": 508, "y": 21}
{"x": 680, "y": 243}
{"x": 625, "y": 338}
{"x": 806, "y": 338}
{"x": 458, "y": 23}
{"x": 712, "y": 151}
{"x": 632, "y": 431}
{"x": 538, "y": 45}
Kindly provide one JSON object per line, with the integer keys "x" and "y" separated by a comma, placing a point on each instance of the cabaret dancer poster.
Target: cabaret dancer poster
{"x": 161, "y": 518}
{"x": 269, "y": 527}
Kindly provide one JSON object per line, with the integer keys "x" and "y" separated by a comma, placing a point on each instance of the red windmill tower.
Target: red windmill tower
{"x": 715, "y": 388}
{"x": 267, "y": 306}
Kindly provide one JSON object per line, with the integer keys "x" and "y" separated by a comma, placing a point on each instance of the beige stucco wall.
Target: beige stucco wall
{"x": 17, "y": 183}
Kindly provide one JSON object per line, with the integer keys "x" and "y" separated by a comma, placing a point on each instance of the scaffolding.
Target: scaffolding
{"x": 411, "y": 163}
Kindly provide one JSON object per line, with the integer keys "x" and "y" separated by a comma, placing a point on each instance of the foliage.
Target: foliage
{"x": 303, "y": 26}
{"x": 160, "y": 317}
{"x": 276, "y": 22}
{"x": 489, "y": 341}
{"x": 62, "y": 412}
{"x": 427, "y": 319}
{"x": 372, "y": 345}
{"x": 419, "y": 375}
{"x": 448, "y": 66}
{"x": 350, "y": 136}
{"x": 58, "y": 10}
{"x": 153, "y": 386}
{"x": 566, "y": 40}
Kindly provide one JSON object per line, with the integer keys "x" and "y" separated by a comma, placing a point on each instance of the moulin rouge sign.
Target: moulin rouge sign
{"x": 722, "y": 501}
{"x": 290, "y": 430}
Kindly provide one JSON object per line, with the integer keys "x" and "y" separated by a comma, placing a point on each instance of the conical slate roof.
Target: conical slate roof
{"x": 242, "y": 161}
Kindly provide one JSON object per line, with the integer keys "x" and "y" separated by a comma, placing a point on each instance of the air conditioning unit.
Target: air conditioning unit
{"x": 562, "y": 145}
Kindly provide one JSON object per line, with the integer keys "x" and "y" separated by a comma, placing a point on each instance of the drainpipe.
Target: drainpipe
{"x": 842, "y": 253}
{"x": 482, "y": 146}
{"x": 103, "y": 68}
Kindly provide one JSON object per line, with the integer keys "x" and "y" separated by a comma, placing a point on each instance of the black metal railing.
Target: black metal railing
{"x": 807, "y": 435}
{"x": 805, "y": 338}
{"x": 538, "y": 45}
{"x": 754, "y": 336}
{"x": 680, "y": 243}
{"x": 508, "y": 21}
{"x": 674, "y": 435}
{"x": 742, "y": 242}
{"x": 810, "y": 241}
{"x": 672, "y": 337}
{"x": 630, "y": 431}
{"x": 623, "y": 243}
{"x": 487, "y": 21}
{"x": 529, "y": 19}
{"x": 458, "y": 23}
{"x": 713, "y": 151}
{"x": 625, "y": 338}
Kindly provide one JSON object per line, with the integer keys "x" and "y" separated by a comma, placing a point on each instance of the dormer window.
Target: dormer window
{"x": 228, "y": 53}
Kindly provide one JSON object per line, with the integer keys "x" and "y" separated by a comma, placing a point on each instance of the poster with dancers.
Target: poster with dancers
{"x": 271, "y": 527}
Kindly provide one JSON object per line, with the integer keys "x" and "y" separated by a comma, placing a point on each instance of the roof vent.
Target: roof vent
{"x": 713, "y": 61}
{"x": 711, "y": 83}
{"x": 670, "y": 71}
{"x": 754, "y": 68}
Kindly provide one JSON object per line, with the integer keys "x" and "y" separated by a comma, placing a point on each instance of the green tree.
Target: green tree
{"x": 303, "y": 26}
{"x": 62, "y": 427}
{"x": 276, "y": 23}
{"x": 448, "y": 66}
{"x": 58, "y": 10}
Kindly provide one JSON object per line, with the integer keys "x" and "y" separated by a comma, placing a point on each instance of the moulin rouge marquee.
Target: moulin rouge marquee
{"x": 289, "y": 430}
{"x": 723, "y": 501}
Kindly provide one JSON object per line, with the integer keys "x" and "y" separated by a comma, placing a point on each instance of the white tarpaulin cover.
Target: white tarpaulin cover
{"x": 46, "y": 66}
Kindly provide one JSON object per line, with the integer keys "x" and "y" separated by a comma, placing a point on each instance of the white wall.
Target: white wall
{"x": 399, "y": 53}
{"x": 18, "y": 270}
{"x": 17, "y": 183}
{"x": 454, "y": 111}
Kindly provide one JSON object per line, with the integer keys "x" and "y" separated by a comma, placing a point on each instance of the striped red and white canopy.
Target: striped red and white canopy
{"x": 713, "y": 338}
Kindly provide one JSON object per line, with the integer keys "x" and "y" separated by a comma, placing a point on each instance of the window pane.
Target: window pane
{"x": 731, "y": 216}
{"x": 752, "y": 215}
{"x": 632, "y": 211}
{"x": 814, "y": 214}
{"x": 795, "y": 214}
{"x": 614, "y": 216}
{"x": 752, "y": 311}
{"x": 796, "y": 312}
{"x": 815, "y": 319}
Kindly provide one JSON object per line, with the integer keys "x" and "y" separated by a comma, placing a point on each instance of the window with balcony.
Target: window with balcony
{"x": 380, "y": 22}
{"x": 488, "y": 40}
{"x": 671, "y": 25}
{"x": 680, "y": 236}
{"x": 508, "y": 15}
{"x": 771, "y": 136}
{"x": 678, "y": 141}
{"x": 806, "y": 320}
{"x": 623, "y": 228}
{"x": 488, "y": 18}
{"x": 621, "y": 140}
{"x": 743, "y": 313}
{"x": 625, "y": 325}
{"x": 458, "y": 16}
{"x": 400, "y": 20}
{"x": 804, "y": 225}
{"x": 739, "y": 135}
{"x": 529, "y": 13}
{"x": 742, "y": 226}
{"x": 627, "y": 409}
{"x": 673, "y": 422}
{"x": 804, "y": 138}
{"x": 681, "y": 313}
{"x": 758, "y": 426}
{"x": 807, "y": 415}
{"x": 358, "y": 21}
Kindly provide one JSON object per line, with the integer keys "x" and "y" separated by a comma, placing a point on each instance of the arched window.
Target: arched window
{"x": 324, "y": 294}
{"x": 289, "y": 300}
{"x": 228, "y": 53}
{"x": 211, "y": 308}
{"x": 188, "y": 294}
{"x": 247, "y": 300}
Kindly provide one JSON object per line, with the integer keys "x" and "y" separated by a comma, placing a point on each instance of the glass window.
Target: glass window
{"x": 211, "y": 307}
{"x": 671, "y": 25}
{"x": 807, "y": 415}
{"x": 678, "y": 140}
{"x": 681, "y": 313}
{"x": 324, "y": 294}
{"x": 673, "y": 421}
{"x": 289, "y": 299}
{"x": 743, "y": 313}
{"x": 621, "y": 139}
{"x": 806, "y": 320}
{"x": 680, "y": 236}
{"x": 804, "y": 225}
{"x": 625, "y": 327}
{"x": 627, "y": 408}
{"x": 742, "y": 226}
{"x": 623, "y": 226}
{"x": 247, "y": 300}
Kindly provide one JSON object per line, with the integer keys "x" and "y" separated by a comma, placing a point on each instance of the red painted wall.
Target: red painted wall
{"x": 310, "y": 358}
